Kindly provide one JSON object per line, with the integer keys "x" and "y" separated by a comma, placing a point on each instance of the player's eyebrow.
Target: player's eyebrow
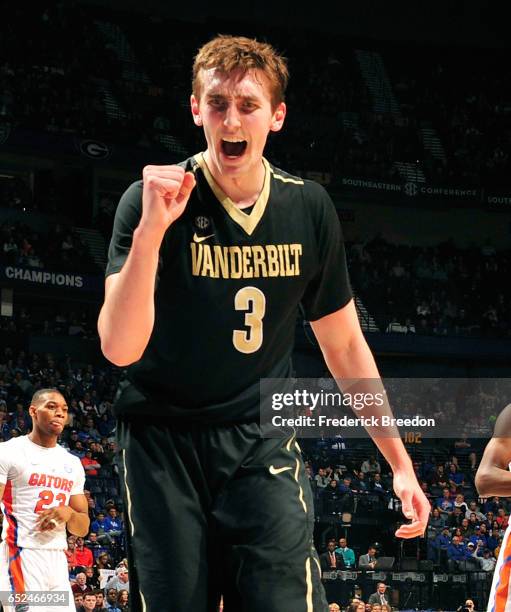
{"x": 221, "y": 96}
{"x": 54, "y": 403}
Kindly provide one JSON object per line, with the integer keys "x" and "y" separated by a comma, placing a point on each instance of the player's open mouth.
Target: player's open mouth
{"x": 233, "y": 148}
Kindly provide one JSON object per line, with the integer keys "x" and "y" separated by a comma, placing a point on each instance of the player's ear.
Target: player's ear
{"x": 194, "y": 105}
{"x": 279, "y": 114}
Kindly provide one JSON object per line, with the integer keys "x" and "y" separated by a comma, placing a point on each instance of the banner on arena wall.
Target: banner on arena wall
{"x": 47, "y": 278}
{"x": 498, "y": 202}
{"x": 411, "y": 189}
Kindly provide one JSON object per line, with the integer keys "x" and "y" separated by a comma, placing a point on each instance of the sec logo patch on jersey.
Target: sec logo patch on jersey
{"x": 202, "y": 222}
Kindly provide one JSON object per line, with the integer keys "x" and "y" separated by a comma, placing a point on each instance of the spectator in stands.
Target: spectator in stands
{"x": 440, "y": 543}
{"x": 468, "y": 606}
{"x": 473, "y": 522}
{"x": 91, "y": 504}
{"x": 471, "y": 550}
{"x": 347, "y": 553}
{"x": 120, "y": 580}
{"x": 90, "y": 465}
{"x": 93, "y": 544}
{"x": 489, "y": 520}
{"x": 100, "y": 601}
{"x": 502, "y": 518}
{"x": 111, "y": 600}
{"x": 106, "y": 425}
{"x": 459, "y": 502}
{"x": 73, "y": 438}
{"x": 380, "y": 488}
{"x": 492, "y": 504}
{"x": 90, "y": 429}
{"x": 92, "y": 578}
{"x": 345, "y": 488}
{"x": 487, "y": 560}
{"x": 480, "y": 536}
{"x": 425, "y": 488}
{"x": 333, "y": 607}
{"x": 456, "y": 478}
{"x": 123, "y": 600}
{"x": 368, "y": 561}
{"x": 109, "y": 453}
{"x": 436, "y": 522}
{"x": 361, "y": 483}
{"x": 114, "y": 526}
{"x": 457, "y": 552}
{"x": 321, "y": 479}
{"x": 104, "y": 561}
{"x": 466, "y": 530}
{"x": 455, "y": 518}
{"x": 494, "y": 534}
{"x": 473, "y": 508}
{"x": 71, "y": 554}
{"x": 370, "y": 466}
{"x": 89, "y": 601}
{"x": 83, "y": 555}
{"x": 5, "y": 428}
{"x": 332, "y": 496}
{"x": 78, "y": 450}
{"x": 330, "y": 560}
{"x": 439, "y": 478}
{"x": 80, "y": 585}
{"x": 78, "y": 598}
{"x": 444, "y": 503}
{"x": 99, "y": 527}
{"x": 380, "y": 596}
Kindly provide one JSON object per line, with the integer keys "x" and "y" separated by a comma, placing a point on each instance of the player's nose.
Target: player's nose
{"x": 232, "y": 117}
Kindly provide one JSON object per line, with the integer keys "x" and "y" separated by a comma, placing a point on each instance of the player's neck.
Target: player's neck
{"x": 42, "y": 439}
{"x": 242, "y": 190}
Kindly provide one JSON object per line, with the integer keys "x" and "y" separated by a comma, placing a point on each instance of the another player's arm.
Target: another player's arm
{"x": 348, "y": 357}
{"x": 493, "y": 476}
{"x": 75, "y": 516}
{"x": 2, "y": 488}
{"x": 127, "y": 317}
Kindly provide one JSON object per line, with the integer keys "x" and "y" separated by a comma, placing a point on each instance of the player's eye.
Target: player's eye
{"x": 217, "y": 103}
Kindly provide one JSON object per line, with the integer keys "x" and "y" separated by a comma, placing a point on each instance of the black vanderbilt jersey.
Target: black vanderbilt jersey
{"x": 228, "y": 289}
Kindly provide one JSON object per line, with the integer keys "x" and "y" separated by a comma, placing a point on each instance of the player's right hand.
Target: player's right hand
{"x": 165, "y": 194}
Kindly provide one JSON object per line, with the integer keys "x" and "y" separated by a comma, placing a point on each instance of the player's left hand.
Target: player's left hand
{"x": 53, "y": 518}
{"x": 415, "y": 505}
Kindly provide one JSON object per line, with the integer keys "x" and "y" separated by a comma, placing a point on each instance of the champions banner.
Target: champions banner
{"x": 15, "y": 274}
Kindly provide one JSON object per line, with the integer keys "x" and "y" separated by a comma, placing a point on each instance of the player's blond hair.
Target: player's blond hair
{"x": 237, "y": 53}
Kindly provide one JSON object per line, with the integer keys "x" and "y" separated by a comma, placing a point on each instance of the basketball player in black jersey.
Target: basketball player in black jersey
{"x": 208, "y": 262}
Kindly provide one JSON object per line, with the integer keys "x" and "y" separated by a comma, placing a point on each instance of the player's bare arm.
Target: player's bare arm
{"x": 2, "y": 488}
{"x": 127, "y": 317}
{"x": 493, "y": 476}
{"x": 75, "y": 516}
{"x": 348, "y": 357}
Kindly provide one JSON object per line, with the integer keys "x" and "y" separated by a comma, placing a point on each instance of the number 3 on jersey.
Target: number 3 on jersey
{"x": 251, "y": 300}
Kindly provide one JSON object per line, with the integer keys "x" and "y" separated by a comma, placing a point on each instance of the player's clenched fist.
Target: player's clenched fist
{"x": 165, "y": 195}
